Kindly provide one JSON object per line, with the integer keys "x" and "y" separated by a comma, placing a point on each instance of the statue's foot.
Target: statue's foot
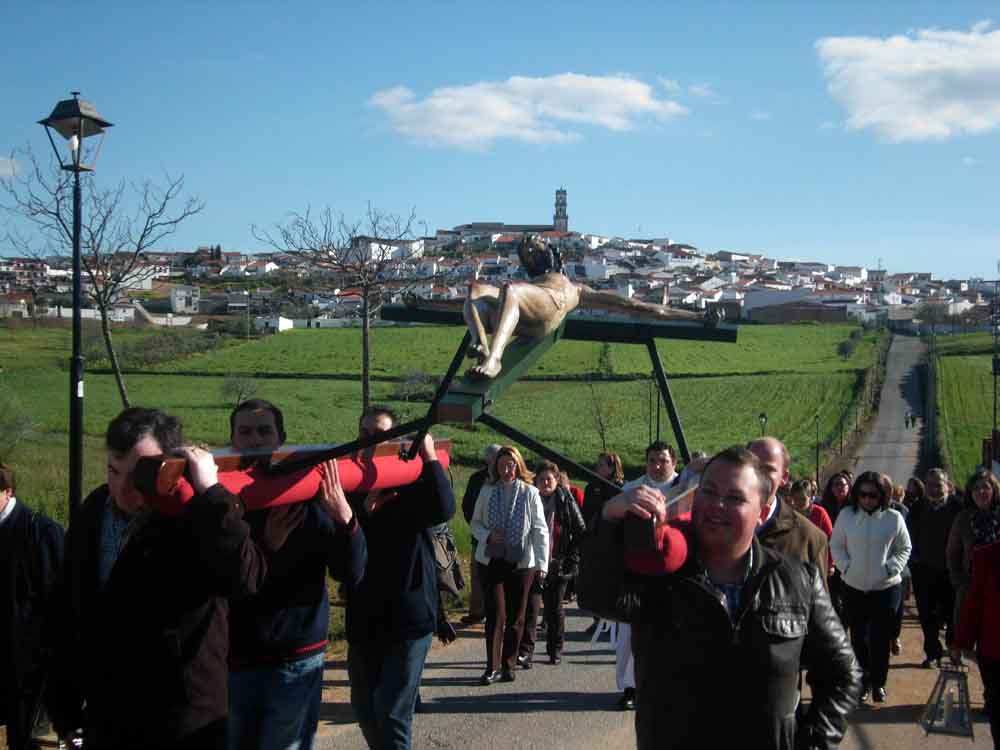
{"x": 714, "y": 316}
{"x": 488, "y": 369}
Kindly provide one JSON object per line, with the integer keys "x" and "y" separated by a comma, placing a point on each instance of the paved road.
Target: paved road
{"x": 891, "y": 447}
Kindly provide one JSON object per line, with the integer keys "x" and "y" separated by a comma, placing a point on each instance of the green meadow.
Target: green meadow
{"x": 965, "y": 399}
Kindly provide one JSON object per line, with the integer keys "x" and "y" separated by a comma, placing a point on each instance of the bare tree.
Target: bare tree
{"x": 119, "y": 225}
{"x": 363, "y": 253}
{"x": 238, "y": 388}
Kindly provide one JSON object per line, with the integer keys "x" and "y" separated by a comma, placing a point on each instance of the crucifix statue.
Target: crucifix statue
{"x": 532, "y": 309}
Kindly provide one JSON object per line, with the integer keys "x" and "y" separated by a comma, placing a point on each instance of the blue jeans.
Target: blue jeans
{"x": 277, "y": 707}
{"x": 385, "y": 678}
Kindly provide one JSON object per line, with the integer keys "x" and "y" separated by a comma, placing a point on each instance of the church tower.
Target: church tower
{"x": 560, "y": 222}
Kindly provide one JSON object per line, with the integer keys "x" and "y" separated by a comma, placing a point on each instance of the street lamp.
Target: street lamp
{"x": 763, "y": 423}
{"x": 75, "y": 120}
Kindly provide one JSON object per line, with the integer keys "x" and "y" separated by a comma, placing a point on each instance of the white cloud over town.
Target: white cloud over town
{"x": 703, "y": 90}
{"x": 531, "y": 110}
{"x": 760, "y": 115}
{"x": 8, "y": 167}
{"x": 927, "y": 84}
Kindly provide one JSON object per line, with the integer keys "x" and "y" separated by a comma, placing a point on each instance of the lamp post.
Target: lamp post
{"x": 763, "y": 423}
{"x": 75, "y": 120}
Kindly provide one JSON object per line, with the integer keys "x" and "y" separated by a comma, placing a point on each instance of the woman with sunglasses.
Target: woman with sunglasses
{"x": 870, "y": 547}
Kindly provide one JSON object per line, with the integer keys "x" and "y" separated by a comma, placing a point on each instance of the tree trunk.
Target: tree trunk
{"x": 113, "y": 356}
{"x": 365, "y": 350}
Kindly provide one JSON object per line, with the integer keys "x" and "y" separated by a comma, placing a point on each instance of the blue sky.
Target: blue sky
{"x": 844, "y": 132}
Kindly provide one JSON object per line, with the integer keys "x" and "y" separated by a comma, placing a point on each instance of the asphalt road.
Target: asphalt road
{"x": 891, "y": 447}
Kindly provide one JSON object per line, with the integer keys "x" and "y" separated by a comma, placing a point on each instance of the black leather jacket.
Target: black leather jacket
{"x": 565, "y": 560}
{"x": 706, "y": 680}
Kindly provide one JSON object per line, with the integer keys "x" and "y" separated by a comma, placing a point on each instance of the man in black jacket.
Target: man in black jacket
{"x": 141, "y": 661}
{"x": 392, "y": 613}
{"x": 278, "y": 637}
{"x": 721, "y": 623}
{"x": 929, "y": 523}
{"x": 31, "y": 553}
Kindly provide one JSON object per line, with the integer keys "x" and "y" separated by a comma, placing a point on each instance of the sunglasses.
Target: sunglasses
{"x": 876, "y": 495}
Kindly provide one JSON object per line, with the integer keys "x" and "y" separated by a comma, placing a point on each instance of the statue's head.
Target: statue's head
{"x": 538, "y": 256}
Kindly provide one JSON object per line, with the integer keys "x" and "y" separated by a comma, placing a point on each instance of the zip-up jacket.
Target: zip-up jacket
{"x": 290, "y": 617}
{"x": 706, "y": 679}
{"x": 870, "y": 549}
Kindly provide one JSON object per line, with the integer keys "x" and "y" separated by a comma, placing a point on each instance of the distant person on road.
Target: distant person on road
{"x": 661, "y": 473}
{"x": 870, "y": 548}
{"x": 929, "y": 524}
{"x": 31, "y": 557}
{"x": 976, "y": 525}
{"x": 512, "y": 549}
{"x": 278, "y": 638}
{"x": 476, "y": 481}
{"x": 721, "y": 622}
{"x": 142, "y": 653}
{"x": 781, "y": 528}
{"x": 392, "y": 613}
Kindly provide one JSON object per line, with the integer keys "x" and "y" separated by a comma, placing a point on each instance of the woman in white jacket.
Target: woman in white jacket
{"x": 512, "y": 548}
{"x": 870, "y": 547}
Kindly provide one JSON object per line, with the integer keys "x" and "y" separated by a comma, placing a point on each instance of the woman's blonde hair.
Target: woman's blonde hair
{"x": 522, "y": 469}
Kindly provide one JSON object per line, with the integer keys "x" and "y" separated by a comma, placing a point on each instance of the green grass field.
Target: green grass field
{"x": 965, "y": 402}
{"x": 558, "y": 413}
{"x": 397, "y": 351}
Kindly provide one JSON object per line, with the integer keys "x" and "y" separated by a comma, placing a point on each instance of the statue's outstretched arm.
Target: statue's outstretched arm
{"x": 638, "y": 309}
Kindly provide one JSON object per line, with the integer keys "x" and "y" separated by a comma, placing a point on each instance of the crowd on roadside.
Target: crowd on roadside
{"x": 208, "y": 629}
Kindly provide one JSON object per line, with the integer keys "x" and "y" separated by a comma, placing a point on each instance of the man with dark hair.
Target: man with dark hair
{"x": 278, "y": 637}
{"x": 721, "y": 623}
{"x": 782, "y": 528}
{"x": 929, "y": 523}
{"x": 142, "y": 655}
{"x": 31, "y": 555}
{"x": 392, "y": 613}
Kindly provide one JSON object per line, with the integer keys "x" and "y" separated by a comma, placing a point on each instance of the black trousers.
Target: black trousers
{"x": 872, "y": 615}
{"x": 935, "y": 606}
{"x": 505, "y": 596}
{"x": 989, "y": 670}
{"x": 531, "y": 612}
{"x": 555, "y": 616}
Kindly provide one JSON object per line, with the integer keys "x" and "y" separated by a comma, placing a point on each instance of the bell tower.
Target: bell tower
{"x": 560, "y": 222}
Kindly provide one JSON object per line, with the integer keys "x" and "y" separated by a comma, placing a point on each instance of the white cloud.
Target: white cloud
{"x": 703, "y": 90}
{"x": 826, "y": 125}
{"x": 532, "y": 110}
{"x": 669, "y": 84}
{"x": 8, "y": 167}
{"x": 970, "y": 161}
{"x": 927, "y": 84}
{"x": 760, "y": 115}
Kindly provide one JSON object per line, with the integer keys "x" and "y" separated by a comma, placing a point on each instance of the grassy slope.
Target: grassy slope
{"x": 965, "y": 399}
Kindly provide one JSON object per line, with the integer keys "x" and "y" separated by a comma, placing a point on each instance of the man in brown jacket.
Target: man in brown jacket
{"x": 782, "y": 528}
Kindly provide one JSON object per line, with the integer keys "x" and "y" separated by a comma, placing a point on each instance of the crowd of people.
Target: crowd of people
{"x": 208, "y": 629}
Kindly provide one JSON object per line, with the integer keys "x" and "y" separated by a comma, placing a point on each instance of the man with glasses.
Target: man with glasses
{"x": 929, "y": 523}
